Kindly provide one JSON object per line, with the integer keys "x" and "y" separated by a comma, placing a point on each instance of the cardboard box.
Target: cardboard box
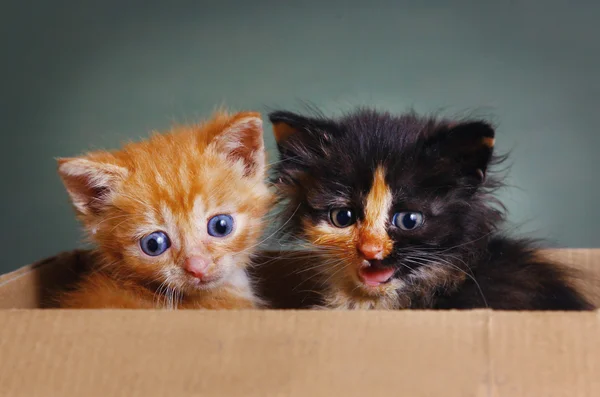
{"x": 291, "y": 353}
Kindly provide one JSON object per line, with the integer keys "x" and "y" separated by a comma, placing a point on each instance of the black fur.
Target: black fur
{"x": 438, "y": 167}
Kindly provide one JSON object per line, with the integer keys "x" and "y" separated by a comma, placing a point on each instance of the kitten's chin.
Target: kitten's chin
{"x": 374, "y": 280}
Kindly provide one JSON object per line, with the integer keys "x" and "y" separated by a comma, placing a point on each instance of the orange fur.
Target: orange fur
{"x": 282, "y": 131}
{"x": 489, "y": 142}
{"x": 174, "y": 183}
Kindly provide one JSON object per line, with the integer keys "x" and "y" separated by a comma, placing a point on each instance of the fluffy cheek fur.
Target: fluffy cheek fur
{"x": 182, "y": 212}
{"x": 449, "y": 224}
{"x": 229, "y": 255}
{"x": 341, "y": 260}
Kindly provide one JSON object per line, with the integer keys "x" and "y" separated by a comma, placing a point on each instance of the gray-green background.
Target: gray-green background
{"x": 81, "y": 75}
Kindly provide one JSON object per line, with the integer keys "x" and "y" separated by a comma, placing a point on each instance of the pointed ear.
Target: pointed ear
{"x": 89, "y": 182}
{"x": 302, "y": 137}
{"x": 287, "y": 124}
{"x": 242, "y": 139}
{"x": 468, "y": 146}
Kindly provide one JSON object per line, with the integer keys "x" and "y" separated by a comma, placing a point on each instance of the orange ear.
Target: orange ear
{"x": 282, "y": 131}
{"x": 89, "y": 182}
{"x": 468, "y": 145}
{"x": 242, "y": 139}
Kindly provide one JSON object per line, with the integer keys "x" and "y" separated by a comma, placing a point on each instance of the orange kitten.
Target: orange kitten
{"x": 175, "y": 218}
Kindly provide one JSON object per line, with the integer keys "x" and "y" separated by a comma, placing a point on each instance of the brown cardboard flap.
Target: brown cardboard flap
{"x": 290, "y": 353}
{"x": 33, "y": 285}
{"x": 299, "y": 353}
{"x": 583, "y": 259}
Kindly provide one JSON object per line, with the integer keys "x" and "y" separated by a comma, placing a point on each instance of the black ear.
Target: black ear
{"x": 287, "y": 124}
{"x": 465, "y": 147}
{"x": 301, "y": 136}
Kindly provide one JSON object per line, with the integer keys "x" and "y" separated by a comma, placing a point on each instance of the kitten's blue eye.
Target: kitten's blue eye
{"x": 342, "y": 217}
{"x": 407, "y": 220}
{"x": 220, "y": 225}
{"x": 155, "y": 243}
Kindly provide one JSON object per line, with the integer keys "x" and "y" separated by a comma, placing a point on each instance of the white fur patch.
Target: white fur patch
{"x": 240, "y": 284}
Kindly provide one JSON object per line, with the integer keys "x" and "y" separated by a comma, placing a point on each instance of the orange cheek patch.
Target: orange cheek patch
{"x": 372, "y": 231}
{"x": 342, "y": 242}
{"x": 243, "y": 240}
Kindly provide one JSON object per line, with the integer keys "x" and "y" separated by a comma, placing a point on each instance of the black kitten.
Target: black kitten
{"x": 399, "y": 213}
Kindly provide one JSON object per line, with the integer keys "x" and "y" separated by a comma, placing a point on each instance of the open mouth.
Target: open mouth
{"x": 374, "y": 274}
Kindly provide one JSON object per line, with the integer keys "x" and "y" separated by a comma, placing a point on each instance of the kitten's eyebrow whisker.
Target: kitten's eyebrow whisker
{"x": 145, "y": 205}
{"x": 115, "y": 217}
{"x": 119, "y": 224}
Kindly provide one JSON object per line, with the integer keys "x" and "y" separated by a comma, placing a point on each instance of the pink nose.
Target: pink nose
{"x": 196, "y": 266}
{"x": 371, "y": 250}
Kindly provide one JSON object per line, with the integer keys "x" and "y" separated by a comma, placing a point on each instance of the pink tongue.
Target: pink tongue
{"x": 374, "y": 277}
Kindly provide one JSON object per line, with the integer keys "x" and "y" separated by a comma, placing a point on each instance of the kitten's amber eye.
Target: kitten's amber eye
{"x": 155, "y": 243}
{"x": 220, "y": 225}
{"x": 342, "y": 217}
{"x": 407, "y": 220}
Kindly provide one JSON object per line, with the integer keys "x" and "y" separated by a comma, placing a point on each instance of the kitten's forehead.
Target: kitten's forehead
{"x": 368, "y": 140}
{"x": 189, "y": 189}
{"x": 182, "y": 209}
{"x": 385, "y": 129}
{"x": 365, "y": 140}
